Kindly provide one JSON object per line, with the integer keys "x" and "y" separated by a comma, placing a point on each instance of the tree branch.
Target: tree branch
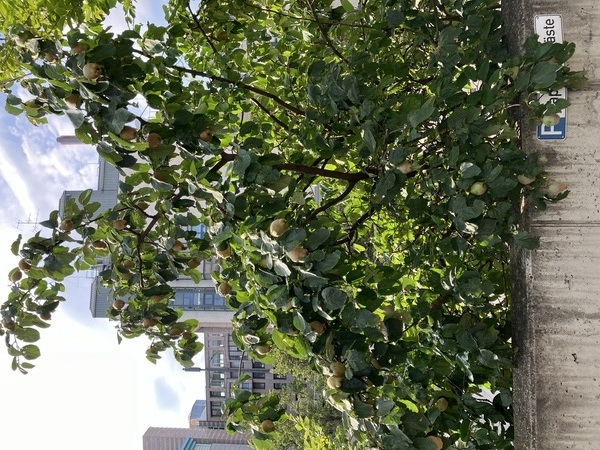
{"x": 335, "y": 174}
{"x": 333, "y": 201}
{"x": 195, "y": 18}
{"x": 245, "y": 86}
{"x": 266, "y": 111}
{"x": 324, "y": 33}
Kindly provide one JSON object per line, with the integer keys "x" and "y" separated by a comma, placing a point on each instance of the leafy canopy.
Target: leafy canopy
{"x": 359, "y": 172}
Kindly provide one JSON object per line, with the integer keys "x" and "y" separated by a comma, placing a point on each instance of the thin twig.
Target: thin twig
{"x": 324, "y": 33}
{"x": 195, "y": 18}
{"x": 333, "y": 201}
{"x": 266, "y": 111}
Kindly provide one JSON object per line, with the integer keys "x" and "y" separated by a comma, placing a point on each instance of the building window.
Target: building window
{"x": 215, "y": 409}
{"x": 245, "y": 385}
{"x": 258, "y": 365}
{"x": 235, "y": 364}
{"x": 217, "y": 393}
{"x": 200, "y": 298}
{"x": 216, "y": 343}
{"x": 279, "y": 376}
{"x": 217, "y": 379}
{"x": 200, "y": 230}
{"x": 259, "y": 385}
{"x": 277, "y": 385}
{"x": 260, "y": 375}
{"x": 217, "y": 358}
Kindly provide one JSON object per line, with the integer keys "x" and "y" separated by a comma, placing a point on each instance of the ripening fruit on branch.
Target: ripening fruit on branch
{"x": 550, "y": 120}
{"x": 298, "y": 254}
{"x": 128, "y": 133}
{"x": 437, "y": 441}
{"x": 555, "y": 188}
{"x": 338, "y": 368}
{"x": 73, "y": 100}
{"x": 442, "y": 404}
{"x": 206, "y": 135}
{"x": 178, "y": 246}
{"x": 478, "y": 188}
{"x": 78, "y": 48}
{"x": 99, "y": 244}
{"x": 193, "y": 263}
{"x": 16, "y": 276}
{"x": 119, "y": 304}
{"x": 175, "y": 332}
{"x": 317, "y": 327}
{"x": 224, "y": 253}
{"x": 267, "y": 426}
{"x": 24, "y": 265}
{"x": 47, "y": 315}
{"x": 405, "y": 167}
{"x": 49, "y": 57}
{"x": 335, "y": 382}
{"x": 525, "y": 180}
{"x": 154, "y": 140}
{"x": 10, "y": 325}
{"x": 224, "y": 289}
{"x": 278, "y": 227}
{"x": 263, "y": 349}
{"x": 120, "y": 224}
{"x": 66, "y": 225}
{"x": 148, "y": 322}
{"x": 91, "y": 71}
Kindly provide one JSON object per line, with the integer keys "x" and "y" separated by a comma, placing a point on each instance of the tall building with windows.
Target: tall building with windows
{"x": 223, "y": 364}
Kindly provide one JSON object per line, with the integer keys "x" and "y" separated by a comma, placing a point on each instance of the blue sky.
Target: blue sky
{"x": 85, "y": 387}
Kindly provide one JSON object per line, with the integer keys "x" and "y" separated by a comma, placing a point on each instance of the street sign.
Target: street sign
{"x": 549, "y": 29}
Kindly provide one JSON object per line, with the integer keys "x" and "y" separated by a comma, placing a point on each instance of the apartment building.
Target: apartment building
{"x": 223, "y": 364}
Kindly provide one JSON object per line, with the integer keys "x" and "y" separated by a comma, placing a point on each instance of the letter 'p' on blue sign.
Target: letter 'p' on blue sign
{"x": 549, "y": 29}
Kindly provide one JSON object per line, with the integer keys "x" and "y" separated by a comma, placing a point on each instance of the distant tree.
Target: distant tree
{"x": 359, "y": 172}
{"x": 307, "y": 410}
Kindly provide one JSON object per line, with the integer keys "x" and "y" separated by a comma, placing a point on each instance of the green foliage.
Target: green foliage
{"x": 33, "y": 23}
{"x": 385, "y": 135}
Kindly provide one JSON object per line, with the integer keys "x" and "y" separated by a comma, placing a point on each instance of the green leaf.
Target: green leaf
{"x": 369, "y": 139}
{"x": 347, "y": 5}
{"x": 363, "y": 410}
{"x": 543, "y": 74}
{"x": 316, "y": 238}
{"x": 334, "y": 298}
{"x": 14, "y": 248}
{"x": 281, "y": 268}
{"x": 77, "y": 117}
{"x": 469, "y": 170}
{"x": 423, "y": 113}
{"x": 293, "y": 238}
{"x": 27, "y": 334}
{"x": 487, "y": 358}
{"x": 527, "y": 240}
{"x": 30, "y": 351}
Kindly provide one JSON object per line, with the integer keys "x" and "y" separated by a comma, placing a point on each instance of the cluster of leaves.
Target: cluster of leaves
{"x": 24, "y": 20}
{"x": 360, "y": 173}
